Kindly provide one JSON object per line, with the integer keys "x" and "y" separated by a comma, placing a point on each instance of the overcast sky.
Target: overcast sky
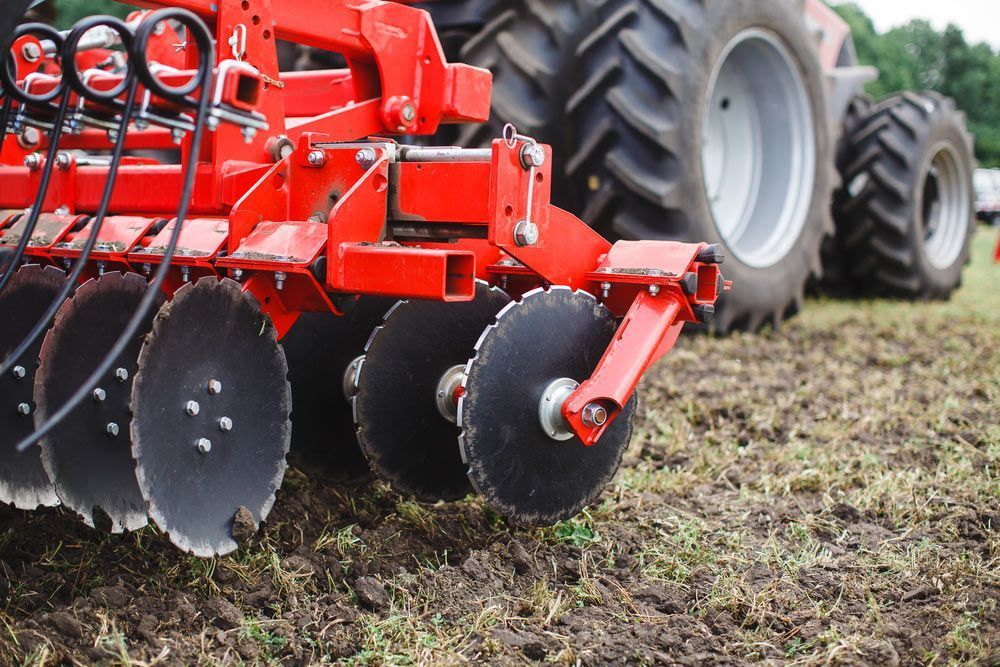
{"x": 979, "y": 19}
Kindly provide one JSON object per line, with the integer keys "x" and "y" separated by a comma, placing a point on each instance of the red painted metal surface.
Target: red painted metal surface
{"x": 313, "y": 210}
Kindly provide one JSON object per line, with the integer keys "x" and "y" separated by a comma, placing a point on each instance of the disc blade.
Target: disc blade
{"x": 518, "y": 468}
{"x": 23, "y": 482}
{"x": 319, "y": 348}
{"x": 88, "y": 456}
{"x": 210, "y": 425}
{"x": 400, "y": 428}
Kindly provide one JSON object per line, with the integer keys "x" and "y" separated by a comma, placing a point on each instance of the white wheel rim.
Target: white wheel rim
{"x": 758, "y": 148}
{"x": 945, "y": 206}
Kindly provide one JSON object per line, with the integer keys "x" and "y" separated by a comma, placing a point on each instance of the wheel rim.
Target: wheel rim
{"x": 944, "y": 207}
{"x": 758, "y": 148}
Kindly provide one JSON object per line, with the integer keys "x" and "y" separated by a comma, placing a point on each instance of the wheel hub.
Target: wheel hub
{"x": 758, "y": 148}
{"x": 446, "y": 396}
{"x": 550, "y": 408}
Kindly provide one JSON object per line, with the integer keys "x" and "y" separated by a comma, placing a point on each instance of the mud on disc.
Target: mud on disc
{"x": 23, "y": 482}
{"x": 319, "y": 349}
{"x": 88, "y": 456}
{"x": 211, "y": 405}
{"x": 400, "y": 427}
{"x": 523, "y": 473}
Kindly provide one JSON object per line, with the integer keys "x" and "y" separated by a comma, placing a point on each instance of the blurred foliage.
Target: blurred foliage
{"x": 68, "y": 12}
{"x": 918, "y": 57}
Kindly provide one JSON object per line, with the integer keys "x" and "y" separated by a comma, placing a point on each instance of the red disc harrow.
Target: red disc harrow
{"x": 208, "y": 263}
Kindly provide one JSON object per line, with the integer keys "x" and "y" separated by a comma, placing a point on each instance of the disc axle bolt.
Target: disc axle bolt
{"x": 214, "y": 387}
{"x": 605, "y": 290}
{"x": 192, "y": 408}
{"x": 24, "y": 409}
{"x": 225, "y": 424}
{"x": 112, "y": 429}
{"x": 33, "y": 162}
{"x": 121, "y": 375}
{"x": 316, "y": 158}
{"x": 366, "y": 158}
{"x": 100, "y": 395}
{"x": 525, "y": 233}
{"x": 279, "y": 280}
{"x": 19, "y": 372}
{"x": 595, "y": 415}
{"x": 654, "y": 290}
{"x": 204, "y": 445}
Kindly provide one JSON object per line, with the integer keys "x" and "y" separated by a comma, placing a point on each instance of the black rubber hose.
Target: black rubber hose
{"x": 9, "y": 83}
{"x": 206, "y": 54}
{"x": 71, "y": 75}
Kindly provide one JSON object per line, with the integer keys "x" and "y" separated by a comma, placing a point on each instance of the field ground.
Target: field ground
{"x": 826, "y": 494}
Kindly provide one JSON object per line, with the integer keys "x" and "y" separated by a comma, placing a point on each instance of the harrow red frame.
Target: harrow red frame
{"x": 310, "y": 214}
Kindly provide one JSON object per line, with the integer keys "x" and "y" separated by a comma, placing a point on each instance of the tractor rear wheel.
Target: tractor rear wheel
{"x": 905, "y": 216}
{"x": 677, "y": 121}
{"x": 710, "y": 122}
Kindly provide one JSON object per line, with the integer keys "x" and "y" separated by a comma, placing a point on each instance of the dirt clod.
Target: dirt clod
{"x": 67, "y": 624}
{"x": 244, "y": 526}
{"x": 371, "y": 593}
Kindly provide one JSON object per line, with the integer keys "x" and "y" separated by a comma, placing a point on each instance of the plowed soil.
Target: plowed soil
{"x": 826, "y": 494}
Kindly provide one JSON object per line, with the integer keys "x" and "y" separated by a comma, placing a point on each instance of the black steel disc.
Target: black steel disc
{"x": 87, "y": 456}
{"x": 210, "y": 405}
{"x": 400, "y": 428}
{"x": 319, "y": 348}
{"x": 522, "y": 472}
{"x": 23, "y": 482}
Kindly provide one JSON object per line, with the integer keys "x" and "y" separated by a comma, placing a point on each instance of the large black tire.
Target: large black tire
{"x": 905, "y": 214}
{"x": 620, "y": 88}
{"x": 651, "y": 70}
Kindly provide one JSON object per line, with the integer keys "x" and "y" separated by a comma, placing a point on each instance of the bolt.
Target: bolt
{"x": 237, "y": 274}
{"x": 595, "y": 415}
{"x": 366, "y": 157}
{"x": 192, "y": 408}
{"x": 185, "y": 274}
{"x": 654, "y": 290}
{"x": 19, "y": 372}
{"x": 121, "y": 374}
{"x": 99, "y": 395}
{"x": 532, "y": 155}
{"x": 279, "y": 280}
{"x": 316, "y": 158}
{"x": 248, "y": 134}
{"x": 408, "y": 112}
{"x": 605, "y": 290}
{"x": 30, "y": 137}
{"x": 212, "y": 123}
{"x": 214, "y": 387}
{"x": 100, "y": 268}
{"x": 525, "y": 233}
{"x": 177, "y": 136}
{"x": 225, "y": 424}
{"x": 62, "y": 210}
{"x": 147, "y": 268}
{"x": 705, "y": 314}
{"x": 63, "y": 161}
{"x": 204, "y": 445}
{"x": 712, "y": 254}
{"x": 24, "y": 409}
{"x": 112, "y": 429}
{"x": 32, "y": 162}
{"x": 31, "y": 52}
